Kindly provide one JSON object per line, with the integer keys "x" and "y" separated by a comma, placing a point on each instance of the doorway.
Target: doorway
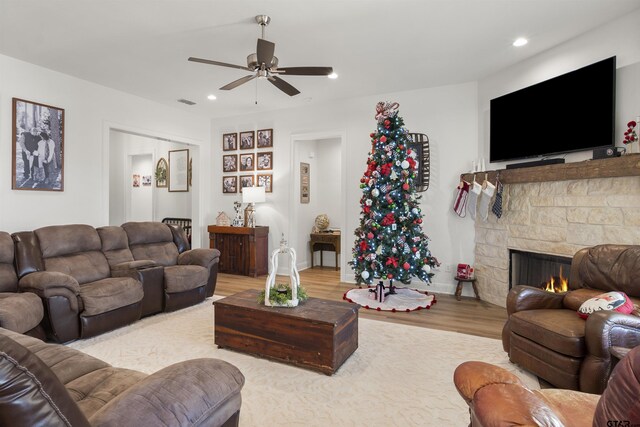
{"x": 322, "y": 156}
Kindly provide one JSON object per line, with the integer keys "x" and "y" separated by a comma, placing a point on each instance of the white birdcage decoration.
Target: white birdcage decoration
{"x": 294, "y": 277}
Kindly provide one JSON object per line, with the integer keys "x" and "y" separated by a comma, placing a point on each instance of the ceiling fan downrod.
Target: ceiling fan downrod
{"x": 263, "y": 20}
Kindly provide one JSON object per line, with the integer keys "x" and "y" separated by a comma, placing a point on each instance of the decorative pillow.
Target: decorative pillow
{"x": 617, "y": 301}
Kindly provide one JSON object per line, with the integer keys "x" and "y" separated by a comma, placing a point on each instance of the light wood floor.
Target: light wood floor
{"x": 468, "y": 316}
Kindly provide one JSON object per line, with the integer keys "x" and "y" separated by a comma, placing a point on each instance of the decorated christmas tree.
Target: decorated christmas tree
{"x": 390, "y": 244}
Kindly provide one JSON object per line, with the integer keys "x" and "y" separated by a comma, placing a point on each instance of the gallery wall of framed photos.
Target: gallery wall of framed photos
{"x": 247, "y": 160}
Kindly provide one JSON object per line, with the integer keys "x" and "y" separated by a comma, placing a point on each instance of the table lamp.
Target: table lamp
{"x": 251, "y": 195}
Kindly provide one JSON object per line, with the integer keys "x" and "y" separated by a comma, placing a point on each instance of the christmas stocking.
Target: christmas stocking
{"x": 460, "y": 203}
{"x": 472, "y": 201}
{"x": 497, "y": 205}
{"x": 487, "y": 194}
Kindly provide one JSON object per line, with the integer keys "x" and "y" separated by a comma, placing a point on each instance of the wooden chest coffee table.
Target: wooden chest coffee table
{"x": 318, "y": 334}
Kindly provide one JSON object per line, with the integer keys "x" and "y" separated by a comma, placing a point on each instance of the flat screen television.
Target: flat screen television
{"x": 571, "y": 112}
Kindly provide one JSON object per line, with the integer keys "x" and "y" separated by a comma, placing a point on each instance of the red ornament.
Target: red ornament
{"x": 370, "y": 235}
{"x": 363, "y": 246}
{"x": 388, "y": 219}
{"x": 401, "y": 146}
{"x": 362, "y": 179}
{"x": 366, "y": 209}
{"x": 372, "y": 134}
{"x": 406, "y": 266}
{"x": 392, "y": 261}
{"x": 383, "y": 138}
{"x": 405, "y": 186}
{"x": 419, "y": 220}
{"x": 387, "y": 122}
{"x": 389, "y": 276}
{"x": 414, "y": 249}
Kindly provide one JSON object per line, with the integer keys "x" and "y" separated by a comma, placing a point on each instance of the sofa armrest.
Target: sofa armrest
{"x": 469, "y": 377}
{"x": 522, "y": 298}
{"x": 195, "y": 392}
{"x": 134, "y": 265}
{"x": 200, "y": 256}
{"x": 48, "y": 284}
{"x": 606, "y": 329}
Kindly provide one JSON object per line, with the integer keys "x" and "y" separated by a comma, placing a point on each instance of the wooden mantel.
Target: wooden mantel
{"x": 626, "y": 165}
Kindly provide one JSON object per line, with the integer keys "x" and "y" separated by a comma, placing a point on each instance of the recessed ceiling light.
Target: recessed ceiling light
{"x": 211, "y": 97}
{"x": 333, "y": 76}
{"x": 520, "y": 41}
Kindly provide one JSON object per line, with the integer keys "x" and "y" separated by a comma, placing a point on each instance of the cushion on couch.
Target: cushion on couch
{"x": 20, "y": 312}
{"x": 617, "y": 301}
{"x": 109, "y": 294}
{"x": 180, "y": 278}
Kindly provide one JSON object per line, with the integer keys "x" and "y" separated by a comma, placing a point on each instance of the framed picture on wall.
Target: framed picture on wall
{"x": 247, "y": 162}
{"x": 179, "y": 170}
{"x": 229, "y": 184}
{"x": 230, "y": 163}
{"x": 230, "y": 141}
{"x": 266, "y": 181}
{"x": 246, "y": 181}
{"x": 37, "y": 161}
{"x": 247, "y": 140}
{"x": 305, "y": 188}
{"x": 265, "y": 138}
{"x": 265, "y": 161}
{"x": 161, "y": 173}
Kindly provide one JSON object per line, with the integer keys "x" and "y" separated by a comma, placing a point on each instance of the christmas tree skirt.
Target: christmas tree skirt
{"x": 402, "y": 300}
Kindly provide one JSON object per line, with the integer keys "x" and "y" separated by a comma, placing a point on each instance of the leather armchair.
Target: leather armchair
{"x": 544, "y": 335}
{"x": 54, "y": 385}
{"x": 497, "y": 397}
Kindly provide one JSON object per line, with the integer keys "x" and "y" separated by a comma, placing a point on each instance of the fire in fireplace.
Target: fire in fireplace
{"x": 544, "y": 271}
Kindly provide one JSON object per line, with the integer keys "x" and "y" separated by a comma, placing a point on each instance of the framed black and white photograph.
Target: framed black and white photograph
{"x": 264, "y": 161}
{"x": 179, "y": 170}
{"x": 37, "y": 161}
{"x": 266, "y": 181}
{"x": 265, "y": 138}
{"x": 247, "y": 162}
{"x": 146, "y": 180}
{"x": 247, "y": 140}
{"x": 246, "y": 181}
{"x": 229, "y": 184}
{"x": 230, "y": 141}
{"x": 230, "y": 163}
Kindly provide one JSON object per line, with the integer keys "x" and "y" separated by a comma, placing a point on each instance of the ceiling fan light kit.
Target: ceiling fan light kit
{"x": 264, "y": 65}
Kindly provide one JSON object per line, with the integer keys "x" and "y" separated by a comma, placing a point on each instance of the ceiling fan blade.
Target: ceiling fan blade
{"x": 238, "y": 82}
{"x": 264, "y": 51}
{"x": 222, "y": 64}
{"x": 306, "y": 71}
{"x": 283, "y": 86}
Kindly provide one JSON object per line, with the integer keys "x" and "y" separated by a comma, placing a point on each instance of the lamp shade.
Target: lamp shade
{"x": 253, "y": 195}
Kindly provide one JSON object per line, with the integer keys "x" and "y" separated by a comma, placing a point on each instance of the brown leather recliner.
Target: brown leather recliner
{"x": 544, "y": 334}
{"x": 65, "y": 266}
{"x": 189, "y": 274}
{"x": 496, "y": 397}
{"x": 54, "y": 385}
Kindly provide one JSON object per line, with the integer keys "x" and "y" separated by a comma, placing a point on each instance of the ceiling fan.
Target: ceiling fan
{"x": 265, "y": 65}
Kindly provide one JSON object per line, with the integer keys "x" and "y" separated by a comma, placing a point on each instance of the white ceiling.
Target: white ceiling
{"x": 376, "y": 46}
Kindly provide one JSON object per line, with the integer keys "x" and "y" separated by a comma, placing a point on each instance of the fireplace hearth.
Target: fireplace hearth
{"x": 546, "y": 271}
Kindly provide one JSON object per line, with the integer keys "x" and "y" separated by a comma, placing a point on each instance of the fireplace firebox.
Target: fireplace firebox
{"x": 550, "y": 272}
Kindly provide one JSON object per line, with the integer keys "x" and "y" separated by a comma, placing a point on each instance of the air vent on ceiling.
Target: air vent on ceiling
{"x": 186, "y": 101}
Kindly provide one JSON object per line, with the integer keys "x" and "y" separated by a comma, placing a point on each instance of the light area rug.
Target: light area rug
{"x": 399, "y": 375}
{"x": 403, "y": 300}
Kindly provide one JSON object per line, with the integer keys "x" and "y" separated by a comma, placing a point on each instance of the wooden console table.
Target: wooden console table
{"x": 325, "y": 242}
{"x": 243, "y": 250}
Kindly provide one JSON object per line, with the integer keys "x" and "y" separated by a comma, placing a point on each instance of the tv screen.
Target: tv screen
{"x": 571, "y": 112}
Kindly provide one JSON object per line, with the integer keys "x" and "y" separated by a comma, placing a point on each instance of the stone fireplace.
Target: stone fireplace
{"x": 556, "y": 218}
{"x": 546, "y": 271}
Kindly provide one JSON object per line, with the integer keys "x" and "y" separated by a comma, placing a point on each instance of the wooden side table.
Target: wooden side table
{"x": 325, "y": 242}
{"x": 243, "y": 250}
{"x": 462, "y": 281}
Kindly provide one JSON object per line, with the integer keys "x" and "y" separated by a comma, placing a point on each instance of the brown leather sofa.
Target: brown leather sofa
{"x": 65, "y": 266}
{"x": 189, "y": 274}
{"x": 19, "y": 312}
{"x": 544, "y": 335}
{"x": 54, "y": 385}
{"x": 497, "y": 397}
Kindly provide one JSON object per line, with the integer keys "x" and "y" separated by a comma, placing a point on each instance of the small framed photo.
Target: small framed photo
{"x": 265, "y": 161}
{"x": 146, "y": 180}
{"x": 230, "y": 163}
{"x": 37, "y": 161}
{"x": 136, "y": 180}
{"x": 229, "y": 184}
{"x": 230, "y": 141}
{"x": 266, "y": 181}
{"x": 265, "y": 138}
{"x": 247, "y": 162}
{"x": 246, "y": 181}
{"x": 247, "y": 140}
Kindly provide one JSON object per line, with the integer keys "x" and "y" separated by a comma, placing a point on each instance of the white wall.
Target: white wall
{"x": 305, "y": 152}
{"x": 140, "y": 198}
{"x": 447, "y": 114}
{"x": 620, "y": 38}
{"x": 90, "y": 110}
